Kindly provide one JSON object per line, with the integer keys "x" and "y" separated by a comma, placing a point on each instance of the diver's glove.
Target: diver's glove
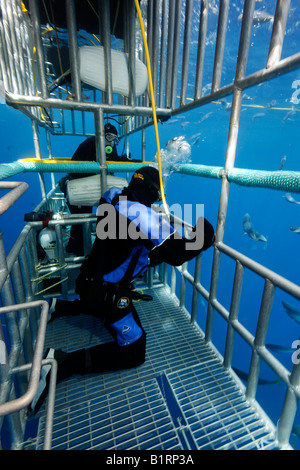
{"x": 209, "y": 233}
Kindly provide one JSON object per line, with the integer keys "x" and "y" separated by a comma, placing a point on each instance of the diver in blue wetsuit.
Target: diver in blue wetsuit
{"x": 130, "y": 236}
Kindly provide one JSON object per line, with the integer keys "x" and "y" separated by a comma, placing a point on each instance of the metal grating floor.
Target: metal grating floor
{"x": 181, "y": 398}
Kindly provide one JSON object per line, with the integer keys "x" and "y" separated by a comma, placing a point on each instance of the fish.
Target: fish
{"x": 206, "y": 116}
{"x": 279, "y": 349}
{"x": 244, "y": 376}
{"x": 271, "y": 104}
{"x": 259, "y": 17}
{"x": 248, "y": 229}
{"x": 292, "y": 311}
{"x": 288, "y": 115}
{"x": 196, "y": 138}
{"x": 295, "y": 229}
{"x": 225, "y": 105}
{"x": 247, "y": 97}
{"x": 258, "y": 115}
{"x": 289, "y": 198}
{"x": 282, "y": 162}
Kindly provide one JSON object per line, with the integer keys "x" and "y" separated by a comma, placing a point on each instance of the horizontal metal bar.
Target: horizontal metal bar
{"x": 13, "y": 98}
{"x": 282, "y": 67}
{"x": 279, "y": 281}
{"x": 17, "y": 189}
{"x": 262, "y": 351}
{"x": 23, "y": 401}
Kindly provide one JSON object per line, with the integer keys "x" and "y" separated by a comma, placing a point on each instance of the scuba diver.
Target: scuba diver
{"x": 124, "y": 247}
{"x": 87, "y": 152}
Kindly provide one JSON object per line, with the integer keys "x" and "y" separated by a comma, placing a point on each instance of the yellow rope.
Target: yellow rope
{"x": 153, "y": 104}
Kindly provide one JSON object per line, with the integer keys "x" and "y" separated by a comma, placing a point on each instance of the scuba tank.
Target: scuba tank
{"x": 47, "y": 240}
{"x": 87, "y": 191}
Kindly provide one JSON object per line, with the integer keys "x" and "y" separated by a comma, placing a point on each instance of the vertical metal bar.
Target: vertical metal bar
{"x": 170, "y": 43}
{"x": 131, "y": 69}
{"x": 87, "y": 243}
{"x": 22, "y": 41}
{"x": 276, "y": 43}
{"x": 173, "y": 280}
{"x": 73, "y": 121}
{"x": 150, "y": 272}
{"x": 150, "y": 28}
{"x": 50, "y": 404}
{"x": 33, "y": 257}
{"x": 4, "y": 368}
{"x": 17, "y": 57}
{"x": 260, "y": 337}
{"x": 175, "y": 53}
{"x": 100, "y": 148}
{"x": 3, "y": 263}
{"x": 29, "y": 297}
{"x": 50, "y": 156}
{"x": 230, "y": 154}
{"x": 18, "y": 287}
{"x": 220, "y": 45}
{"x": 155, "y": 39}
{"x": 36, "y": 26}
{"x": 73, "y": 49}
{"x": 201, "y": 49}
{"x": 83, "y": 122}
{"x": 186, "y": 50}
{"x": 9, "y": 85}
{"x": 61, "y": 261}
{"x": 163, "y": 50}
{"x": 149, "y": 33}
{"x": 233, "y": 314}
{"x": 143, "y": 144}
{"x": 104, "y": 18}
{"x": 38, "y": 155}
{"x": 14, "y": 339}
{"x": 183, "y": 284}
{"x": 290, "y": 407}
{"x": 195, "y": 297}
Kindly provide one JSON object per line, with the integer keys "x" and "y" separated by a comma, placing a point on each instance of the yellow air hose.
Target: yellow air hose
{"x": 153, "y": 105}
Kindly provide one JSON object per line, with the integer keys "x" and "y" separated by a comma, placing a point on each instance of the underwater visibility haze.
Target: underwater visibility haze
{"x": 268, "y": 139}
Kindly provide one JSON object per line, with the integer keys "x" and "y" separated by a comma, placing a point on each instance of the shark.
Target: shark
{"x": 248, "y": 230}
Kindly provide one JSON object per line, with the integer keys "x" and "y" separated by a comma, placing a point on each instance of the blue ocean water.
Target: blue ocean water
{"x": 268, "y": 131}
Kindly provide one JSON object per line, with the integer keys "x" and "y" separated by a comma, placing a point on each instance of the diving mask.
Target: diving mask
{"x": 113, "y": 139}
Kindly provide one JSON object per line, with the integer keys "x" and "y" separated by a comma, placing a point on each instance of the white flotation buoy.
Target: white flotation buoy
{"x": 87, "y": 191}
{"x": 92, "y": 70}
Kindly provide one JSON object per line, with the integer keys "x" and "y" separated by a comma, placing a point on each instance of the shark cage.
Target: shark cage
{"x": 68, "y": 66}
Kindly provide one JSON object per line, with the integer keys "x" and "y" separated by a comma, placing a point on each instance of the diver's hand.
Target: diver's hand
{"x": 203, "y": 233}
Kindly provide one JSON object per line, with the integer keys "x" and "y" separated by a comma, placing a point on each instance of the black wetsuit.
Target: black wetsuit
{"x": 112, "y": 301}
{"x": 86, "y": 152}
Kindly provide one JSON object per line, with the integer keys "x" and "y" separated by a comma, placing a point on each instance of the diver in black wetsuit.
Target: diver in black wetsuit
{"x": 87, "y": 152}
{"x": 104, "y": 284}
